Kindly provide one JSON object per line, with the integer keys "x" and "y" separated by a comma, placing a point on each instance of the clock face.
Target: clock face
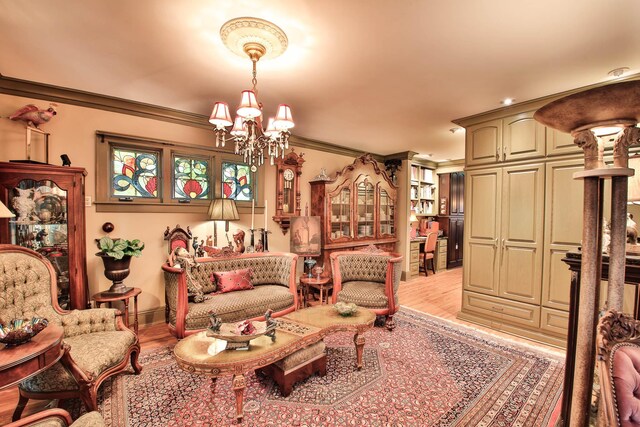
{"x": 288, "y": 174}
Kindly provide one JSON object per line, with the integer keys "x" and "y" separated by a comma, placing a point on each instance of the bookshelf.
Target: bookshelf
{"x": 422, "y": 190}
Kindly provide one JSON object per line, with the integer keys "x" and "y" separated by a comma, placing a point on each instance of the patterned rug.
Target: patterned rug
{"x": 427, "y": 372}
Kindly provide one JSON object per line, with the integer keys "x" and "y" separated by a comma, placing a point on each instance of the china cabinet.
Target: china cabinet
{"x": 48, "y": 203}
{"x": 357, "y": 208}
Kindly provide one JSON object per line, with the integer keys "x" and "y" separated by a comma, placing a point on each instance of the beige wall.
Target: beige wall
{"x": 73, "y": 133}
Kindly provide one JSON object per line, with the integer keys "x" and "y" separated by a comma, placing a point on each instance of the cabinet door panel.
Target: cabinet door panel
{"x": 522, "y": 233}
{"x": 482, "y": 192}
{"x": 483, "y": 144}
{"x": 554, "y": 321}
{"x": 523, "y": 137}
{"x": 563, "y": 232}
{"x": 560, "y": 143}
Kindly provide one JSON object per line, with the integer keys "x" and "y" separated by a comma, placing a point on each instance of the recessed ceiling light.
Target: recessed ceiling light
{"x": 507, "y": 101}
{"x": 617, "y": 72}
{"x": 456, "y": 130}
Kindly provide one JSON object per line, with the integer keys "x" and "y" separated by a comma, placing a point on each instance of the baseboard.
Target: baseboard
{"x": 147, "y": 317}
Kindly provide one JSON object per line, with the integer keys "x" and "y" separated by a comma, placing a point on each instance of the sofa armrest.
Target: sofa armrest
{"x": 392, "y": 282}
{"x": 177, "y": 296}
{"x": 78, "y": 322}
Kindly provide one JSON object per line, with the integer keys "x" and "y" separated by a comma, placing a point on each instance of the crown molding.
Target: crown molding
{"x": 532, "y": 104}
{"x": 51, "y": 93}
{"x": 451, "y": 163}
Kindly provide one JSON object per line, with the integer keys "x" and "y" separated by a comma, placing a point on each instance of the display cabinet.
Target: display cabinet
{"x": 48, "y": 203}
{"x": 357, "y": 208}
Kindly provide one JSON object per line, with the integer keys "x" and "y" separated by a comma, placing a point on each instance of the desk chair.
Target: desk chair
{"x": 429, "y": 252}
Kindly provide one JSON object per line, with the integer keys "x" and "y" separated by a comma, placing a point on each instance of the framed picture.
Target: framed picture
{"x": 37, "y": 145}
{"x": 305, "y": 235}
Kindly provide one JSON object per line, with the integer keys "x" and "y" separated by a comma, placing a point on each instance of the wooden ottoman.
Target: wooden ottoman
{"x": 298, "y": 366}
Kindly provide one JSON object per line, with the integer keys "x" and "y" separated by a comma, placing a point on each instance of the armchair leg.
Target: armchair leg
{"x": 22, "y": 402}
{"x": 390, "y": 323}
{"x": 137, "y": 368}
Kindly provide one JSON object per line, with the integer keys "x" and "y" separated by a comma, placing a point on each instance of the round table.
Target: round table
{"x": 323, "y": 284}
{"x": 23, "y": 361}
{"x": 110, "y": 297}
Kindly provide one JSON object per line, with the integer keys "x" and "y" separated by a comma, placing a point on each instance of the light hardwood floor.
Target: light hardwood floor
{"x": 438, "y": 294}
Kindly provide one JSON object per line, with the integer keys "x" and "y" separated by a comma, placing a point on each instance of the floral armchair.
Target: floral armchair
{"x": 369, "y": 278}
{"x": 619, "y": 354}
{"x": 59, "y": 418}
{"x": 96, "y": 342}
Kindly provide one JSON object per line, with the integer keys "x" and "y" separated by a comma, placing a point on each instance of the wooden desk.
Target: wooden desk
{"x": 107, "y": 297}
{"x": 23, "y": 361}
{"x": 574, "y": 260}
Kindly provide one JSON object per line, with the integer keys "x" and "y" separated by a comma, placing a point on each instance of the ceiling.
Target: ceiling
{"x": 384, "y": 76}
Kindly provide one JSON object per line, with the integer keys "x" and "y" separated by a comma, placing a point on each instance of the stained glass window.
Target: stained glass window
{"x": 190, "y": 178}
{"x": 135, "y": 173}
{"x": 236, "y": 181}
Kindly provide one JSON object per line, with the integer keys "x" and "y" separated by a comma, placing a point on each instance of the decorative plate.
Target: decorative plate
{"x": 20, "y": 331}
{"x": 345, "y": 309}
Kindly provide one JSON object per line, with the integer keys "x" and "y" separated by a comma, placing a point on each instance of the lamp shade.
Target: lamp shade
{"x": 223, "y": 210}
{"x": 271, "y": 129}
{"x": 239, "y": 129}
{"x": 284, "y": 119}
{"x": 413, "y": 217}
{"x": 249, "y": 107}
{"x": 5, "y": 212}
{"x": 220, "y": 116}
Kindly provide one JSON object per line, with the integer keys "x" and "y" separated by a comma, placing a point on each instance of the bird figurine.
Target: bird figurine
{"x": 33, "y": 116}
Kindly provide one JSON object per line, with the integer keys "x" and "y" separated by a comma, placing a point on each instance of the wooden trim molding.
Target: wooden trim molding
{"x": 47, "y": 92}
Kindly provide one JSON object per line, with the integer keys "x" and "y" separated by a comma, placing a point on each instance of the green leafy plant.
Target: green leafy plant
{"x": 120, "y": 247}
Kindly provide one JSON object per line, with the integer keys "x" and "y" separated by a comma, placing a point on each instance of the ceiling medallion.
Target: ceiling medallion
{"x": 255, "y": 38}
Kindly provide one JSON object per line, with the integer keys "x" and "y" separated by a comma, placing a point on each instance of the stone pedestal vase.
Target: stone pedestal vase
{"x": 116, "y": 270}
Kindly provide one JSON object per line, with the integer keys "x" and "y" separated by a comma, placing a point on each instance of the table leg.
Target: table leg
{"x": 321, "y": 295}
{"x": 213, "y": 385}
{"x": 238, "y": 388}
{"x": 135, "y": 313}
{"x": 359, "y": 342}
{"x": 126, "y": 312}
{"x": 306, "y": 296}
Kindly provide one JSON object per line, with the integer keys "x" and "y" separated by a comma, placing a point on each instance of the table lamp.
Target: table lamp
{"x": 5, "y": 212}
{"x": 222, "y": 210}
{"x": 413, "y": 218}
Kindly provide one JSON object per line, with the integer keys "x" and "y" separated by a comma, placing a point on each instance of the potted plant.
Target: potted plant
{"x": 116, "y": 256}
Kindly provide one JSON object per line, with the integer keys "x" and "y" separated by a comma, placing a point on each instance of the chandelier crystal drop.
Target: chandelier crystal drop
{"x": 255, "y": 38}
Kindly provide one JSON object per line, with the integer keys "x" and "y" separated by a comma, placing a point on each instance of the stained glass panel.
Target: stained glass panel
{"x": 236, "y": 181}
{"x": 190, "y": 178}
{"x": 135, "y": 173}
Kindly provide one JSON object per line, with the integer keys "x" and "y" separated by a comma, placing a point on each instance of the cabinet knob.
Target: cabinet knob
{"x": 497, "y": 154}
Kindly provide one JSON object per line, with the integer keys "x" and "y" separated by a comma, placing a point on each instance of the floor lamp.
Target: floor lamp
{"x": 594, "y": 118}
{"x": 222, "y": 210}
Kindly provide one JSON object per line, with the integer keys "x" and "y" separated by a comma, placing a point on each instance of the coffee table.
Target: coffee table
{"x": 205, "y": 355}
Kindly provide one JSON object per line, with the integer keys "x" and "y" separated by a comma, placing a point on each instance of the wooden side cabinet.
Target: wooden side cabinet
{"x": 441, "y": 254}
{"x": 48, "y": 202}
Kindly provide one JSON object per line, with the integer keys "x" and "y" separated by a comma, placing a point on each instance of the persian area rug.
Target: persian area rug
{"x": 427, "y": 372}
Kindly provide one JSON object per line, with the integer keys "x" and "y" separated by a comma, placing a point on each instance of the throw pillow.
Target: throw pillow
{"x": 234, "y": 280}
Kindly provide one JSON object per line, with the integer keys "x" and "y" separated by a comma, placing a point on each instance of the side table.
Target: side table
{"x": 25, "y": 360}
{"x": 323, "y": 284}
{"x": 109, "y": 297}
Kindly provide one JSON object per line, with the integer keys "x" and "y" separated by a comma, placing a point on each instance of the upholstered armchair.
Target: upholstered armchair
{"x": 59, "y": 418}
{"x": 96, "y": 343}
{"x": 619, "y": 354}
{"x": 368, "y": 278}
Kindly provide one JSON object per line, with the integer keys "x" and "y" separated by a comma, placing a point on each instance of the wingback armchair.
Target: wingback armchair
{"x": 368, "y": 278}
{"x": 96, "y": 343}
{"x": 59, "y": 418}
{"x": 619, "y": 353}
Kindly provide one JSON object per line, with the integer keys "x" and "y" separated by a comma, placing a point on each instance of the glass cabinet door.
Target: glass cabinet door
{"x": 365, "y": 210}
{"x": 41, "y": 224}
{"x": 387, "y": 214}
{"x": 341, "y": 214}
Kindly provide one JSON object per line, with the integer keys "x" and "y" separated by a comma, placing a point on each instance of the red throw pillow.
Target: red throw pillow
{"x": 234, "y": 280}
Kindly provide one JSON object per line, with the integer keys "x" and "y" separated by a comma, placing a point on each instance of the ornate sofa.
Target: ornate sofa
{"x": 369, "y": 278}
{"x": 273, "y": 278}
{"x": 619, "y": 354}
{"x": 96, "y": 342}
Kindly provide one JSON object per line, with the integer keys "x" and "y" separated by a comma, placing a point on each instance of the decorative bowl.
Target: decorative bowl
{"x": 20, "y": 331}
{"x": 345, "y": 309}
{"x": 238, "y": 334}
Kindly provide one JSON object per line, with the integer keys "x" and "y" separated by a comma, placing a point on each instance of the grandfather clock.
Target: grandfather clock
{"x": 288, "y": 171}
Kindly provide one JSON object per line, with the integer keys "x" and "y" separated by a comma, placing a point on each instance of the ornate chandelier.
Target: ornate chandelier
{"x": 255, "y": 38}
